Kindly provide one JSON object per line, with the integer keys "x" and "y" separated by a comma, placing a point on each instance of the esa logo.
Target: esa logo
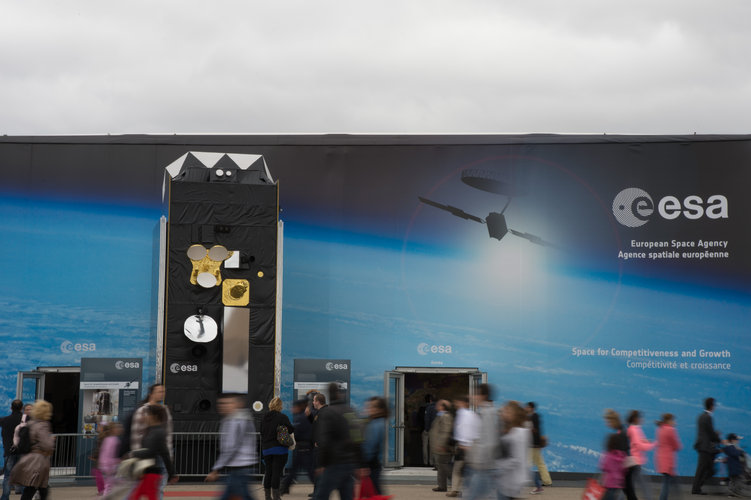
{"x": 336, "y": 366}
{"x": 633, "y": 207}
{"x": 423, "y": 349}
{"x": 183, "y": 368}
{"x": 68, "y": 347}
{"x": 120, "y": 364}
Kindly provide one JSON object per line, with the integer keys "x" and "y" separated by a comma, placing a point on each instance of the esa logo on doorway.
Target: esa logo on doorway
{"x": 336, "y": 366}
{"x": 183, "y": 368}
{"x": 424, "y": 348}
{"x": 69, "y": 347}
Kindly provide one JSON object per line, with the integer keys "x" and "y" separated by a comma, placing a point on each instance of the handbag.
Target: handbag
{"x": 133, "y": 468}
{"x": 593, "y": 490}
{"x": 283, "y": 436}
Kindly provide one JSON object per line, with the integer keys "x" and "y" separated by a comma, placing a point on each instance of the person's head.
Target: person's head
{"x": 319, "y": 400}
{"x": 634, "y": 417}
{"x": 377, "y": 407}
{"x": 155, "y": 414}
{"x": 16, "y": 405}
{"x": 612, "y": 419}
{"x": 733, "y": 438}
{"x": 667, "y": 419}
{"x": 513, "y": 414}
{"x": 230, "y": 403}
{"x": 156, "y": 394}
{"x": 429, "y": 398}
{"x": 462, "y": 402}
{"x": 614, "y": 442}
{"x": 531, "y": 407}
{"x": 276, "y": 404}
{"x": 483, "y": 393}
{"x": 27, "y": 409}
{"x": 299, "y": 405}
{"x": 709, "y": 404}
{"x": 442, "y": 405}
{"x": 42, "y": 410}
{"x": 334, "y": 392}
{"x": 112, "y": 429}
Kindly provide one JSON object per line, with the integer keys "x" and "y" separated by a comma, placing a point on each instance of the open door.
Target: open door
{"x": 30, "y": 386}
{"x": 475, "y": 379}
{"x": 394, "y": 446}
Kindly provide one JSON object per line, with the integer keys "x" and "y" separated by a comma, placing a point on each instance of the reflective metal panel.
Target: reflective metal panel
{"x": 236, "y": 349}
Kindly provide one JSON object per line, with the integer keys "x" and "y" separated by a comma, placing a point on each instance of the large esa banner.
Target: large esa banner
{"x": 581, "y": 273}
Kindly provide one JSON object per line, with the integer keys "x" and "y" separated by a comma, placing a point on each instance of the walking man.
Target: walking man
{"x": 237, "y": 447}
{"x": 440, "y": 443}
{"x": 542, "y": 476}
{"x": 337, "y": 453}
{"x": 9, "y": 425}
{"x": 706, "y": 443}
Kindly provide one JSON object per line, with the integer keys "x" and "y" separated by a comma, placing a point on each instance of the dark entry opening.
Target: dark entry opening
{"x": 416, "y": 387}
{"x": 61, "y": 389}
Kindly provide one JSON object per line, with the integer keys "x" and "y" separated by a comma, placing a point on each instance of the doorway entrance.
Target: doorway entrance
{"x": 407, "y": 391}
{"x": 60, "y": 386}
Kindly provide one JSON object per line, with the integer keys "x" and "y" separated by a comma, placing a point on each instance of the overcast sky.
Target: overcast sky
{"x": 316, "y": 66}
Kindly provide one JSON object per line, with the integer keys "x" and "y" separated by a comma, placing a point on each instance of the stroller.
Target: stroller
{"x": 739, "y": 474}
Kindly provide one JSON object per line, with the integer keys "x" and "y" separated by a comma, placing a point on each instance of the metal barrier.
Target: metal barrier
{"x": 194, "y": 454}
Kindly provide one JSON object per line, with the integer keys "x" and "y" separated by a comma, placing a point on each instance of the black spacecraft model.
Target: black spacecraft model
{"x": 492, "y": 182}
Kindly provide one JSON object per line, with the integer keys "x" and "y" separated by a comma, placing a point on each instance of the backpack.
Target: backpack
{"x": 24, "y": 441}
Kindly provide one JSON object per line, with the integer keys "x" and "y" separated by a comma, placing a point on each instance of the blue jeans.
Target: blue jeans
{"x": 237, "y": 480}
{"x": 336, "y": 477}
{"x": 668, "y": 483}
{"x": 10, "y": 461}
{"x": 481, "y": 483}
{"x": 639, "y": 480}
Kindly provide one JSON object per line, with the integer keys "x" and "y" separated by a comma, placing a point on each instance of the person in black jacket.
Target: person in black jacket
{"x": 337, "y": 453}
{"x": 153, "y": 445}
{"x": 707, "y": 439}
{"x": 274, "y": 453}
{"x": 302, "y": 457}
{"x": 9, "y": 425}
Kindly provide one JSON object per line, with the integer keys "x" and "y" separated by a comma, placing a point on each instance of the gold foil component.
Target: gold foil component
{"x": 207, "y": 261}
{"x": 235, "y": 292}
{"x": 260, "y": 274}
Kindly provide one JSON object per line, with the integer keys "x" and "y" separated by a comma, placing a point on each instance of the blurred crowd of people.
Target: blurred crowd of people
{"x": 626, "y": 448}
{"x": 478, "y": 450}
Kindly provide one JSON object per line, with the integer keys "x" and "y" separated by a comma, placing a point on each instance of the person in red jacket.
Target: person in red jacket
{"x": 668, "y": 444}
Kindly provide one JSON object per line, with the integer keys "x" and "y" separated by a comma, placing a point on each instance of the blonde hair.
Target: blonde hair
{"x": 42, "y": 410}
{"x": 612, "y": 418}
{"x": 518, "y": 414}
{"x": 275, "y": 404}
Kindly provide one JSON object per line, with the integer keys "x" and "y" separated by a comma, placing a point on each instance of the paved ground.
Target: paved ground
{"x": 563, "y": 490}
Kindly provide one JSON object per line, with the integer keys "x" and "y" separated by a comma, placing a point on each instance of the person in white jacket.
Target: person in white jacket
{"x": 513, "y": 466}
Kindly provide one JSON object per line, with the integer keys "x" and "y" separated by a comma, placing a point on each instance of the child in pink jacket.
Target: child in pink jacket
{"x": 109, "y": 454}
{"x": 613, "y": 473}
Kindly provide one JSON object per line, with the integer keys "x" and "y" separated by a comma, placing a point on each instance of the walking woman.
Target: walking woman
{"x": 33, "y": 469}
{"x": 372, "y": 448}
{"x": 639, "y": 446}
{"x": 668, "y": 445}
{"x": 153, "y": 445}
{"x": 513, "y": 466}
{"x": 274, "y": 453}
